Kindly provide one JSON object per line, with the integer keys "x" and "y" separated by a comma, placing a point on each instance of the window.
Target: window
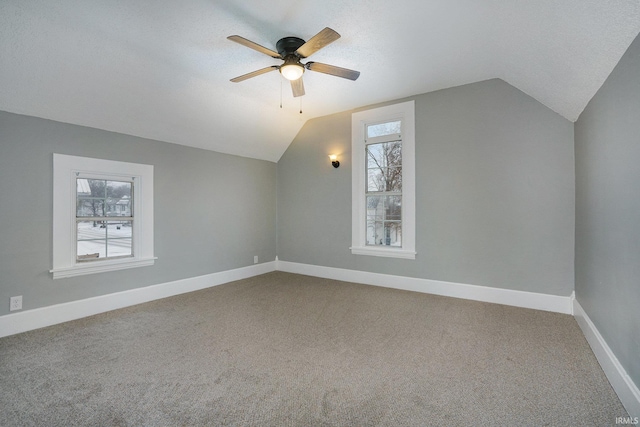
{"x": 104, "y": 219}
{"x": 383, "y": 181}
{"x": 102, "y": 215}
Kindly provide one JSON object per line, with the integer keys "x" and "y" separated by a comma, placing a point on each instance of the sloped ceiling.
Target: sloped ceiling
{"x": 160, "y": 69}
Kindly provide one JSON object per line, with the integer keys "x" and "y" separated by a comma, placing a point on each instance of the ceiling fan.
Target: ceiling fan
{"x": 291, "y": 50}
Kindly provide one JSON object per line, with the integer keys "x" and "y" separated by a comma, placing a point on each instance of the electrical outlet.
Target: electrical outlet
{"x": 255, "y": 259}
{"x": 15, "y": 303}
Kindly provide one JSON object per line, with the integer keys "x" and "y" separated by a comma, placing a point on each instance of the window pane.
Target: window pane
{"x": 385, "y": 154}
{"x": 119, "y": 238}
{"x": 88, "y": 230}
{"x": 384, "y": 166}
{"x": 119, "y": 229}
{"x": 382, "y": 129}
{"x": 384, "y": 233}
{"x": 82, "y": 187}
{"x": 99, "y": 198}
{"x": 119, "y": 247}
{"x": 393, "y": 180}
{"x": 385, "y": 179}
{"x": 393, "y": 153}
{"x": 393, "y": 234}
{"x": 118, "y": 207}
{"x": 375, "y": 207}
{"x": 104, "y": 239}
{"x": 375, "y": 156}
{"x": 376, "y": 180}
{"x": 97, "y": 187}
{"x": 384, "y": 225}
{"x": 89, "y": 207}
{"x": 118, "y": 202}
{"x": 118, "y": 189}
{"x": 89, "y": 250}
{"x": 375, "y": 231}
{"x": 122, "y": 207}
{"x": 393, "y": 208}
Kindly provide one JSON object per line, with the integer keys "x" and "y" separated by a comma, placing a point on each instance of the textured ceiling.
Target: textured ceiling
{"x": 160, "y": 69}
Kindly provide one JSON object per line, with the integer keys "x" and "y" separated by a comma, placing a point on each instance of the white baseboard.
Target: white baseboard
{"x": 33, "y": 319}
{"x": 46, "y": 316}
{"x": 623, "y": 385}
{"x": 554, "y": 303}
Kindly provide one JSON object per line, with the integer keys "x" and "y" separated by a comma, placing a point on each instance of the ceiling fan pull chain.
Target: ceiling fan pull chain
{"x": 300, "y": 105}
{"x": 281, "y": 93}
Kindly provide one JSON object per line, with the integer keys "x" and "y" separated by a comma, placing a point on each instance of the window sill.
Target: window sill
{"x": 383, "y": 252}
{"x": 100, "y": 267}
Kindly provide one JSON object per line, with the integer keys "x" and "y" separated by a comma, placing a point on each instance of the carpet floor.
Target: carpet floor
{"x": 289, "y": 350}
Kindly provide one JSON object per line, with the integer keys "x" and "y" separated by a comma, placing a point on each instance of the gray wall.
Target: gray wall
{"x": 607, "y": 266}
{"x": 212, "y": 211}
{"x": 494, "y": 193}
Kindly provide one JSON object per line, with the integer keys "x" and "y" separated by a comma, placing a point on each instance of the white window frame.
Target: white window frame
{"x": 405, "y": 112}
{"x": 66, "y": 169}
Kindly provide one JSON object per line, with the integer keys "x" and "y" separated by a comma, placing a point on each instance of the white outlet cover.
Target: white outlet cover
{"x": 15, "y": 303}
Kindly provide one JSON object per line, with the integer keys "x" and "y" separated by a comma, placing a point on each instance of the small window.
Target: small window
{"x": 102, "y": 215}
{"x": 383, "y": 129}
{"x": 104, "y": 219}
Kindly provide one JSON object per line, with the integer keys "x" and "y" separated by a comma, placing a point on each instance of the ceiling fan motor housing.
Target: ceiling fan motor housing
{"x": 288, "y": 45}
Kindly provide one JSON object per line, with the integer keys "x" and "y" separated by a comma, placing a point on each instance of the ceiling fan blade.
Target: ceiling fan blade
{"x": 333, "y": 70}
{"x": 254, "y": 46}
{"x": 254, "y": 73}
{"x": 297, "y": 87}
{"x": 317, "y": 42}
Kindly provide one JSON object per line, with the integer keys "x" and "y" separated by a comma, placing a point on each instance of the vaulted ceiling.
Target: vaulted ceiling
{"x": 160, "y": 68}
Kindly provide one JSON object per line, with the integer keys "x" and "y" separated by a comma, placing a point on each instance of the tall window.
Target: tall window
{"x": 383, "y": 183}
{"x": 102, "y": 215}
{"x": 383, "y": 147}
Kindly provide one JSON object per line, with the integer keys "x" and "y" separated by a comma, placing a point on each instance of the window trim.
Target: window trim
{"x": 404, "y": 111}
{"x": 65, "y": 171}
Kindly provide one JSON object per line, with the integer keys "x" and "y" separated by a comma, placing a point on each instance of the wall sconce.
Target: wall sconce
{"x": 334, "y": 160}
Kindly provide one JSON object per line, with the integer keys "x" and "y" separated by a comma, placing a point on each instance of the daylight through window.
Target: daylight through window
{"x": 104, "y": 219}
{"x": 384, "y": 184}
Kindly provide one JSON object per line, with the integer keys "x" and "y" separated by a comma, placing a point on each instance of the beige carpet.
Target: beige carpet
{"x": 290, "y": 350}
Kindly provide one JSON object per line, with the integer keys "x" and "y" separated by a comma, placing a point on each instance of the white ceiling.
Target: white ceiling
{"x": 160, "y": 68}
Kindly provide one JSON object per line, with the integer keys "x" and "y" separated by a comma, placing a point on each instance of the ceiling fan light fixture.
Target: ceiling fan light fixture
{"x": 292, "y": 71}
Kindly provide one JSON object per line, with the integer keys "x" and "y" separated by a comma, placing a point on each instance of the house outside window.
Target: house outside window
{"x": 383, "y": 181}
